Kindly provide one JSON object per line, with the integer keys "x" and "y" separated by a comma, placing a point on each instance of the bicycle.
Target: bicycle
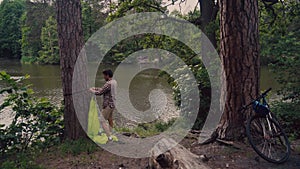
{"x": 264, "y": 133}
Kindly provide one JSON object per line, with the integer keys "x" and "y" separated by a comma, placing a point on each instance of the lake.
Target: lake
{"x": 46, "y": 82}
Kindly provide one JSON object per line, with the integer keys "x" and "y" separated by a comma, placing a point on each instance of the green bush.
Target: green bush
{"x": 289, "y": 116}
{"x": 37, "y": 123}
{"x": 28, "y": 60}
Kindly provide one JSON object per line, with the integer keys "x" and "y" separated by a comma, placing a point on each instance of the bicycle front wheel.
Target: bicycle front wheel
{"x": 268, "y": 139}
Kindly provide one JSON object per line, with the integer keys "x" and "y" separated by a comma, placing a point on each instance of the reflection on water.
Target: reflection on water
{"x": 46, "y": 81}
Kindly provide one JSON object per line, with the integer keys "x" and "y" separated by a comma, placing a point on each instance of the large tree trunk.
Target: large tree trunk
{"x": 71, "y": 41}
{"x": 239, "y": 52}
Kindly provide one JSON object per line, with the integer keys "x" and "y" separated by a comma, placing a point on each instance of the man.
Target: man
{"x": 109, "y": 98}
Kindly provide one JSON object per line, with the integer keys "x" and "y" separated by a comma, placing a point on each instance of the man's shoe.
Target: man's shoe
{"x": 110, "y": 139}
{"x": 100, "y": 132}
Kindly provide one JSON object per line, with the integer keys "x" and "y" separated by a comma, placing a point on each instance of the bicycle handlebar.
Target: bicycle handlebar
{"x": 267, "y": 91}
{"x": 259, "y": 97}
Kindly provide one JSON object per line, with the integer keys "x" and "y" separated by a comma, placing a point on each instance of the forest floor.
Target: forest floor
{"x": 219, "y": 156}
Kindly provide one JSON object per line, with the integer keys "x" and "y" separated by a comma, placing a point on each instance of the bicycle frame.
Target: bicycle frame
{"x": 270, "y": 131}
{"x": 269, "y": 115}
{"x": 258, "y": 99}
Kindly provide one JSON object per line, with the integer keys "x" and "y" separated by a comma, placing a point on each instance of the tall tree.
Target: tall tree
{"x": 93, "y": 17}
{"x": 32, "y": 22}
{"x": 50, "y": 50}
{"x": 71, "y": 40}
{"x": 10, "y": 32}
{"x": 239, "y": 52}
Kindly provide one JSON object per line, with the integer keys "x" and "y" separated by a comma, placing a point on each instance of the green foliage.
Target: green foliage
{"x": 33, "y": 20}
{"x": 20, "y": 161}
{"x": 137, "y": 42}
{"x": 289, "y": 116}
{"x": 279, "y": 31}
{"x": 10, "y": 32}
{"x": 134, "y": 6}
{"x": 148, "y": 129}
{"x": 39, "y": 29}
{"x": 49, "y": 54}
{"x": 36, "y": 122}
{"x": 280, "y": 41}
{"x": 25, "y": 45}
{"x": 92, "y": 17}
{"x": 78, "y": 146}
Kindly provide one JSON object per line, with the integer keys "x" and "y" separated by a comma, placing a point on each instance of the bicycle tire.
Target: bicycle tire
{"x": 254, "y": 124}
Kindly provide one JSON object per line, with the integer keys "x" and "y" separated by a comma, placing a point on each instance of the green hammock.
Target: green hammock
{"x": 94, "y": 124}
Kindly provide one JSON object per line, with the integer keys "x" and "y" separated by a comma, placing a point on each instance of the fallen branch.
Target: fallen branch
{"x": 176, "y": 158}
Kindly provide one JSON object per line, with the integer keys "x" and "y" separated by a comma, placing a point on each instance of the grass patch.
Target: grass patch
{"x": 77, "y": 147}
{"x": 27, "y": 159}
{"x": 148, "y": 129}
{"x": 22, "y": 160}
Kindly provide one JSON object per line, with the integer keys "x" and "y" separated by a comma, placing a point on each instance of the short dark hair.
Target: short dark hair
{"x": 108, "y": 72}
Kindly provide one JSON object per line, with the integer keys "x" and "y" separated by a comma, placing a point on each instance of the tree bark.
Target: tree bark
{"x": 71, "y": 41}
{"x": 239, "y": 52}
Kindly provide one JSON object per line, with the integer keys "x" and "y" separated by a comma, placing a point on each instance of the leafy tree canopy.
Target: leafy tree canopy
{"x": 10, "y": 32}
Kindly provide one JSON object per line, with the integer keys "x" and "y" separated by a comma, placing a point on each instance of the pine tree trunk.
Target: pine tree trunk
{"x": 239, "y": 52}
{"x": 71, "y": 41}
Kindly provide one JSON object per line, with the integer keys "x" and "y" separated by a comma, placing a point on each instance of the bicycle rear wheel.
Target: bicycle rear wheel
{"x": 268, "y": 139}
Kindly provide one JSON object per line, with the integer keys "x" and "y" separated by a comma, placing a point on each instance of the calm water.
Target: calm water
{"x": 46, "y": 81}
{"x": 44, "y": 78}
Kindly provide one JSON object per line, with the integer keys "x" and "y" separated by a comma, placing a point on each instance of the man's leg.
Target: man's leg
{"x": 105, "y": 117}
{"x": 111, "y": 124}
{"x": 110, "y": 120}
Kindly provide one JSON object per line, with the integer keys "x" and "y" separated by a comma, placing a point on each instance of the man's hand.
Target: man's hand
{"x": 93, "y": 89}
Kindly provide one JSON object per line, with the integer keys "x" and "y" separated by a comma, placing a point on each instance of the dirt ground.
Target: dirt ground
{"x": 223, "y": 156}
{"x": 219, "y": 156}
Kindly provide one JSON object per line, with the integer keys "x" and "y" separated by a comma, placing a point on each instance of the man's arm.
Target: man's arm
{"x": 104, "y": 89}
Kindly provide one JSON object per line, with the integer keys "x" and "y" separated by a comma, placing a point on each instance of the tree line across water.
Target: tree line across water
{"x": 28, "y": 29}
